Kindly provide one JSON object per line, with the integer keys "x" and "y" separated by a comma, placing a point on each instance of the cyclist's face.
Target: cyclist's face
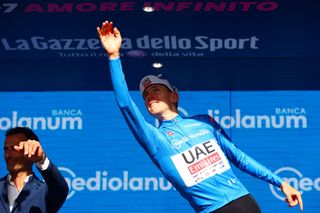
{"x": 158, "y": 99}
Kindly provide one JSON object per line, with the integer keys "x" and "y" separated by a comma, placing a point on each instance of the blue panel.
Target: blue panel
{"x": 85, "y": 135}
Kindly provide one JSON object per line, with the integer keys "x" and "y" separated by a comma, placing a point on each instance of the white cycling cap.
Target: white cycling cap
{"x": 153, "y": 79}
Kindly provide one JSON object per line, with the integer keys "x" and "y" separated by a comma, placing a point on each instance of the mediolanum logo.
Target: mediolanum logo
{"x": 281, "y": 118}
{"x": 296, "y": 179}
{"x": 58, "y": 119}
{"x": 103, "y": 181}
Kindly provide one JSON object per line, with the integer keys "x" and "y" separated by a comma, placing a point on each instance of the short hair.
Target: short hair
{"x": 23, "y": 130}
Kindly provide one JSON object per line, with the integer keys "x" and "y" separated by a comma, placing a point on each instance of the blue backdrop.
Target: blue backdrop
{"x": 107, "y": 171}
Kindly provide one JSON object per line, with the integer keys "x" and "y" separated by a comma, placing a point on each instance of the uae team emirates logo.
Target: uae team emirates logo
{"x": 200, "y": 162}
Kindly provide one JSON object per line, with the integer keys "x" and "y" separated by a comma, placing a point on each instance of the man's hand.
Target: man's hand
{"x": 293, "y": 195}
{"x": 110, "y": 38}
{"x": 31, "y": 149}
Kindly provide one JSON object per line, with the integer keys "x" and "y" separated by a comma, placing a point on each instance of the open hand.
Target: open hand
{"x": 110, "y": 38}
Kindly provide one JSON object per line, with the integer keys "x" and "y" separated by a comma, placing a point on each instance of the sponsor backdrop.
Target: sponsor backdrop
{"x": 107, "y": 171}
{"x": 264, "y": 44}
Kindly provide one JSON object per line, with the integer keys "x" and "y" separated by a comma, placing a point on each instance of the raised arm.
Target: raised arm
{"x": 57, "y": 185}
{"x": 143, "y": 131}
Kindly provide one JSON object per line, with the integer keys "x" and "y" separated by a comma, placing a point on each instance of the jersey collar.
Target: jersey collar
{"x": 175, "y": 120}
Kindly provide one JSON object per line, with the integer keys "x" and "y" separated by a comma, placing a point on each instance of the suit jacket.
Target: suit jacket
{"x": 37, "y": 196}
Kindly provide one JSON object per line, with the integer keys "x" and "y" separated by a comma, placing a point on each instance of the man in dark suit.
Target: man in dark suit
{"x": 20, "y": 190}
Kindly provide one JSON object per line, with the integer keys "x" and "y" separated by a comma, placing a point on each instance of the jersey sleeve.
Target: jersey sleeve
{"x": 141, "y": 129}
{"x": 243, "y": 161}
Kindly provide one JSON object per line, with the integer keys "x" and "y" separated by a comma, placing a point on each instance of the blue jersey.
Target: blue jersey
{"x": 193, "y": 153}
